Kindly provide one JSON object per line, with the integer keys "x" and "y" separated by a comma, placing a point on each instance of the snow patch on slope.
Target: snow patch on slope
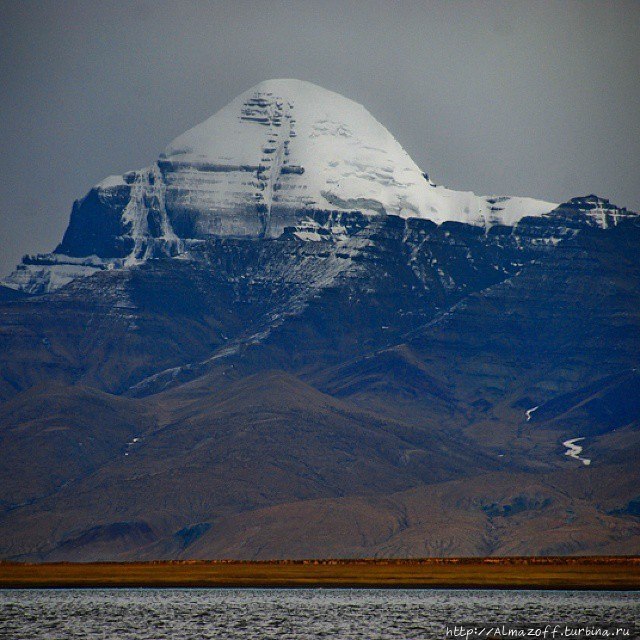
{"x": 574, "y": 450}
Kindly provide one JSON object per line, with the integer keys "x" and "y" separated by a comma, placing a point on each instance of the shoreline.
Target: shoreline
{"x": 619, "y": 573}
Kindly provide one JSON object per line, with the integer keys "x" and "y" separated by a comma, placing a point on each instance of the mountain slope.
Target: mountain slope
{"x": 269, "y": 467}
{"x": 54, "y": 435}
{"x": 260, "y": 441}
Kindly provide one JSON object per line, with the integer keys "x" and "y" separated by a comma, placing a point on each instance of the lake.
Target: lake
{"x": 198, "y": 614}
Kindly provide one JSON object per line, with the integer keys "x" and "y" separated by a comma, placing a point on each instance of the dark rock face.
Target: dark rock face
{"x": 96, "y": 226}
{"x": 426, "y": 377}
{"x": 9, "y": 295}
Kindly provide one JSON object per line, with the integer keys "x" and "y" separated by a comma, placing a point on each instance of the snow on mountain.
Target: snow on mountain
{"x": 277, "y": 154}
{"x": 46, "y": 272}
{"x": 290, "y": 145}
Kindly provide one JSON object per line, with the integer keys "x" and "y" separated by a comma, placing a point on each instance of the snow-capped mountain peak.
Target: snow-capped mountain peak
{"x": 305, "y": 147}
{"x": 290, "y": 145}
{"x": 276, "y": 156}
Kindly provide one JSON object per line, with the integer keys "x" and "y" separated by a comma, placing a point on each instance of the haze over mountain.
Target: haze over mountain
{"x": 282, "y": 339}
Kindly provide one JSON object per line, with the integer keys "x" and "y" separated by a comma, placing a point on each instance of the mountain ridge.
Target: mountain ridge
{"x": 280, "y": 150}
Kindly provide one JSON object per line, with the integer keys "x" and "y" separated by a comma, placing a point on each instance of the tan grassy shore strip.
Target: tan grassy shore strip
{"x": 536, "y": 573}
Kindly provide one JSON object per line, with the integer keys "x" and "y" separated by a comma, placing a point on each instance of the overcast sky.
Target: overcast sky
{"x": 521, "y": 98}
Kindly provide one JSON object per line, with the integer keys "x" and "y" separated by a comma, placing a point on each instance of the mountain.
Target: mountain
{"x": 283, "y": 340}
{"x": 277, "y": 153}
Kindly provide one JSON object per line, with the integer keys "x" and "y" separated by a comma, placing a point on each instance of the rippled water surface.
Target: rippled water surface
{"x": 186, "y": 614}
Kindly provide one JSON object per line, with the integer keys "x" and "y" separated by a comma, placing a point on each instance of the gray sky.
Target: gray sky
{"x": 520, "y": 98}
